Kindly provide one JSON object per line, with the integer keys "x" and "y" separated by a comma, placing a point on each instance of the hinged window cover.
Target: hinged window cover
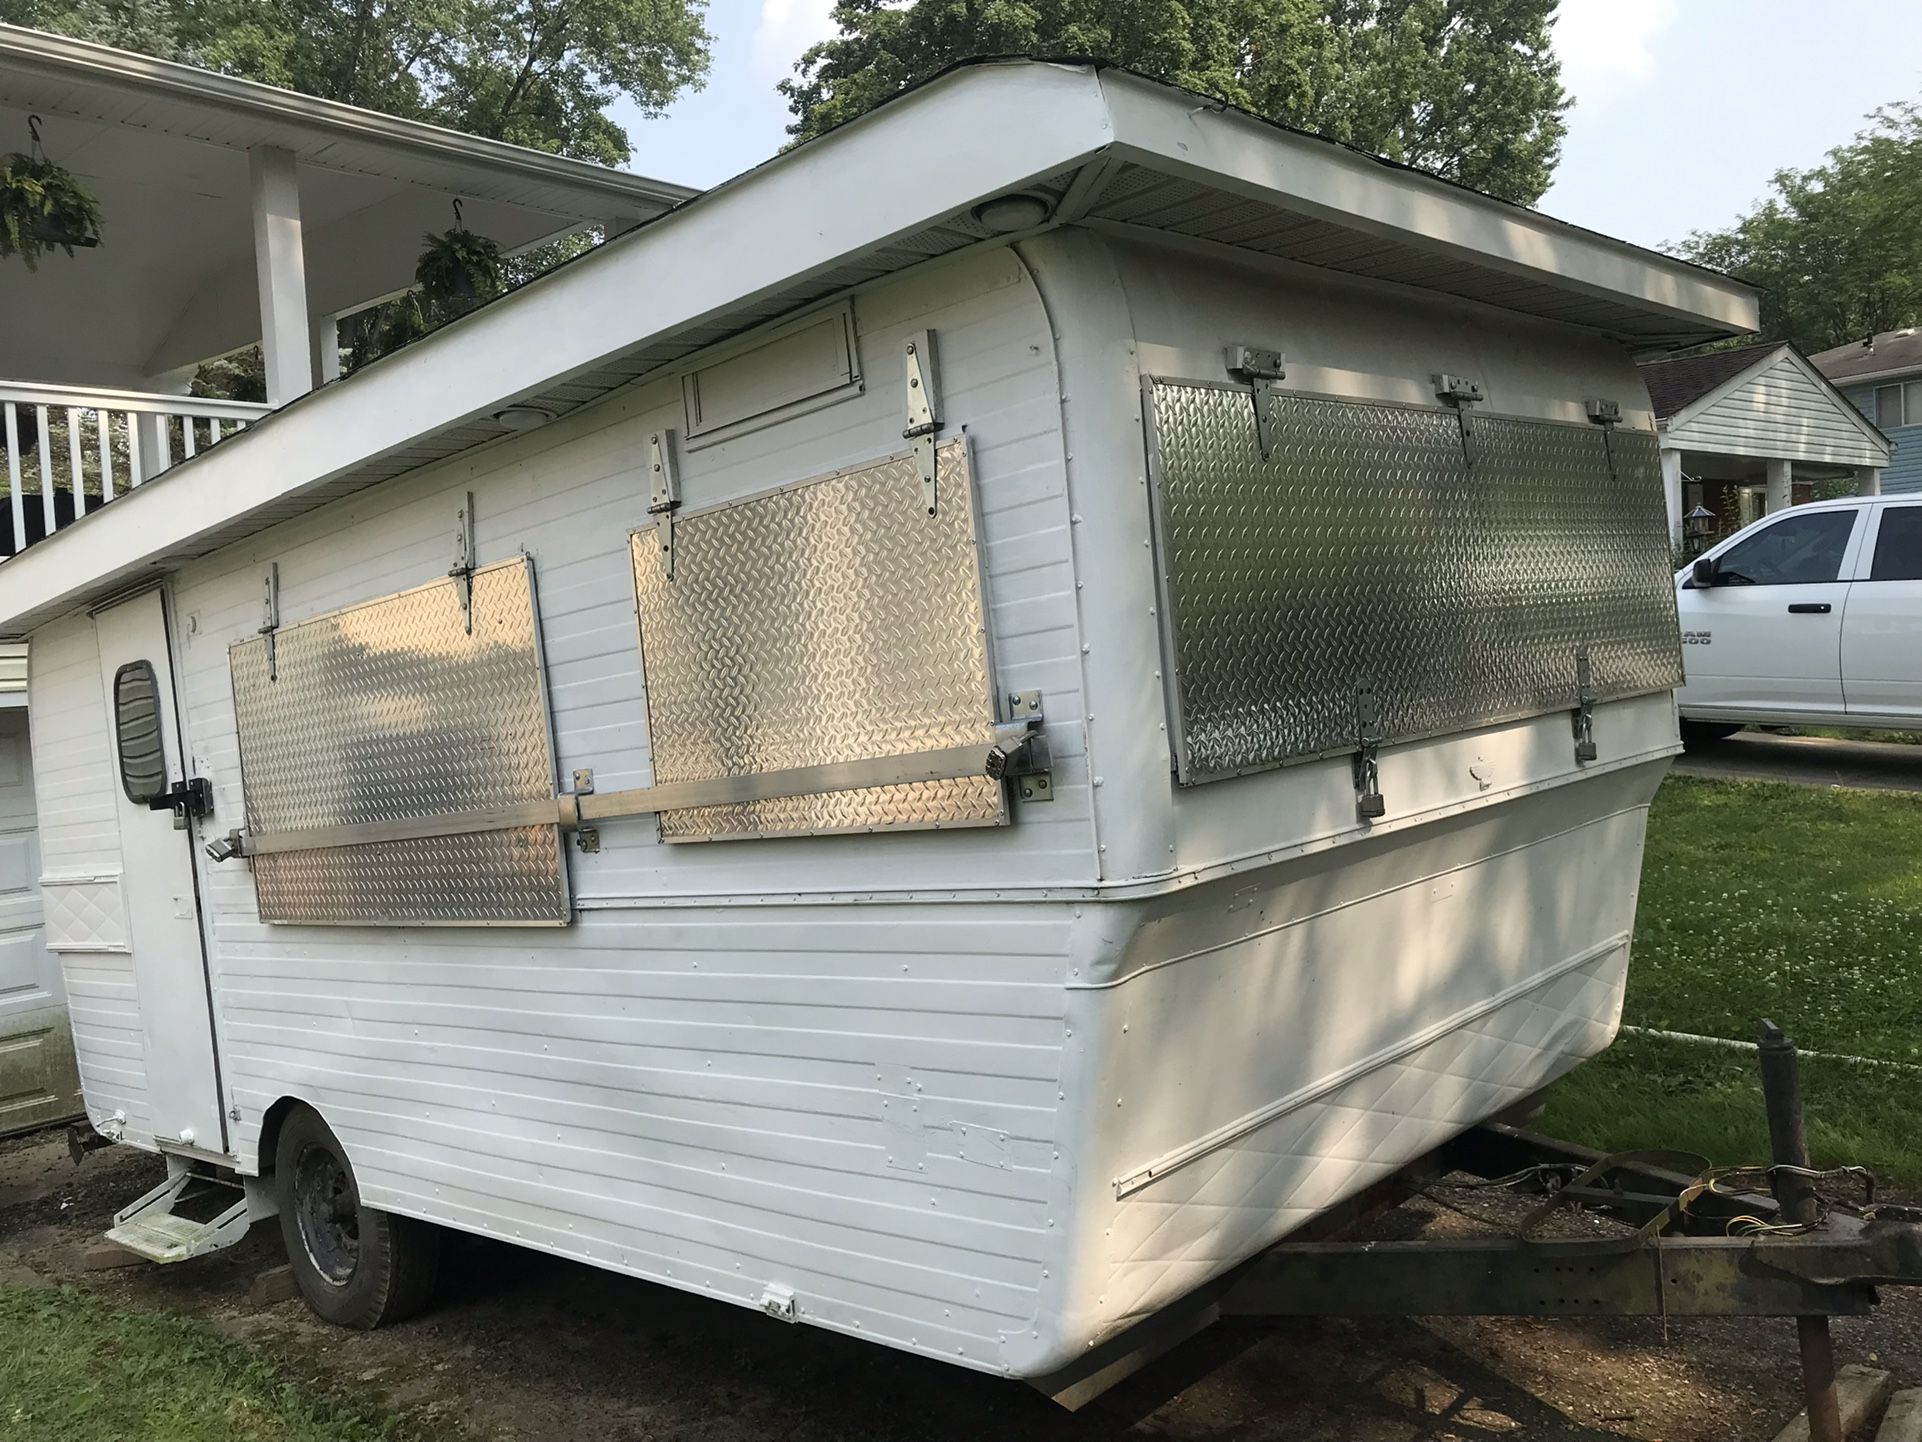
{"x": 1369, "y": 546}
{"x": 396, "y": 709}
{"x": 829, "y": 621}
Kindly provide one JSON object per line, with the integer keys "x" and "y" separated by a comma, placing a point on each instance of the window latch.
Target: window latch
{"x": 1369, "y": 805}
{"x": 1584, "y": 718}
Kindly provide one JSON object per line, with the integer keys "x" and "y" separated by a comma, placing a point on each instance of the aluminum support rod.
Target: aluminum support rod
{"x": 570, "y": 811}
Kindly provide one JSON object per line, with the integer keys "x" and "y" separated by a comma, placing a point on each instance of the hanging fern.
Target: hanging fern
{"x": 42, "y": 208}
{"x": 459, "y": 265}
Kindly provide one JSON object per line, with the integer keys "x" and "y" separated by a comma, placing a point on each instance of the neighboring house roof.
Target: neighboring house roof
{"x": 1099, "y": 146}
{"x": 1890, "y": 353}
{"x": 1676, "y": 381}
{"x": 1763, "y": 401}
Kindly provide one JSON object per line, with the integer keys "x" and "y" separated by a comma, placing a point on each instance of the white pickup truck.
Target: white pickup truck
{"x": 1811, "y": 616}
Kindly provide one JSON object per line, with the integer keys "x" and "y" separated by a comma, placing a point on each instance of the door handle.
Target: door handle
{"x": 1809, "y": 608}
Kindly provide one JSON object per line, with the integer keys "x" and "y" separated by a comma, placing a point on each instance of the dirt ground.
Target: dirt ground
{"x": 525, "y": 1346}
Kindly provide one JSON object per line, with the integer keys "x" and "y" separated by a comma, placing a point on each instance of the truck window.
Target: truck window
{"x": 1898, "y": 545}
{"x": 1796, "y": 551}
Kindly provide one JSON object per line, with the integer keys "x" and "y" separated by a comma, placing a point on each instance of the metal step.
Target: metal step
{"x": 151, "y": 1228}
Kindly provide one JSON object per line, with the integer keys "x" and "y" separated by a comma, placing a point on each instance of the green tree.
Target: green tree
{"x": 1469, "y": 89}
{"x": 535, "y": 72}
{"x": 1836, "y": 250}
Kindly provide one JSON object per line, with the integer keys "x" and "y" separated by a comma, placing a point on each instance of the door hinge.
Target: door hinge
{"x": 1461, "y": 394}
{"x": 1368, "y": 799}
{"x": 924, "y": 412}
{"x": 1607, "y": 414}
{"x": 663, "y": 494}
{"x": 270, "y": 615}
{"x": 1584, "y": 718}
{"x": 463, "y": 568}
{"x": 1260, "y": 369}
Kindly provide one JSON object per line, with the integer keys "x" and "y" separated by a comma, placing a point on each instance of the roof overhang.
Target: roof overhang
{"x": 1104, "y": 146}
{"x": 164, "y": 148}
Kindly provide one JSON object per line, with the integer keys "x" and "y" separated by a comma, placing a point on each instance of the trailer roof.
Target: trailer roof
{"x": 893, "y": 189}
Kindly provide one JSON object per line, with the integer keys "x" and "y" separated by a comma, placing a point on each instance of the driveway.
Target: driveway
{"x": 1807, "y": 761}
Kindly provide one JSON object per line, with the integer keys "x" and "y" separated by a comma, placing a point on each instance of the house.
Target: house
{"x": 1753, "y": 428}
{"x": 1882, "y": 377}
{"x": 233, "y": 214}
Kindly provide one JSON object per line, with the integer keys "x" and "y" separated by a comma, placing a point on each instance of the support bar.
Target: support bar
{"x": 997, "y": 757}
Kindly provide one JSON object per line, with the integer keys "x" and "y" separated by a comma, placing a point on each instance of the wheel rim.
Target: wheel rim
{"x": 328, "y": 1214}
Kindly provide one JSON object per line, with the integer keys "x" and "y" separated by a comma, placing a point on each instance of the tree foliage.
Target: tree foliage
{"x": 535, "y": 72}
{"x": 1469, "y": 89}
{"x": 1837, "y": 249}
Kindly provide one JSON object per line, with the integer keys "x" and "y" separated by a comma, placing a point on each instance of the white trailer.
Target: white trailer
{"x": 1154, "y": 649}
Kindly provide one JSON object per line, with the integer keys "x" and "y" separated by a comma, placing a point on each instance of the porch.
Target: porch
{"x": 70, "y": 449}
{"x": 233, "y": 215}
{"x": 1752, "y": 429}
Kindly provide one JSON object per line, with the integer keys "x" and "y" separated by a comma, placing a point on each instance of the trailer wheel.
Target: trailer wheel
{"x": 356, "y": 1266}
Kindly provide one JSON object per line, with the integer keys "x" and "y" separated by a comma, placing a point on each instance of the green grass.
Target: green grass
{"x": 1796, "y": 903}
{"x": 1829, "y": 733}
{"x": 76, "y": 1368}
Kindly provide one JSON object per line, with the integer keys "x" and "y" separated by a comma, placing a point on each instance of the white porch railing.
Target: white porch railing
{"x": 70, "y": 449}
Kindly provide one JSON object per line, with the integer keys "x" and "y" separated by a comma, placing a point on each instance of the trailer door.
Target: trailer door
{"x": 156, "y": 847}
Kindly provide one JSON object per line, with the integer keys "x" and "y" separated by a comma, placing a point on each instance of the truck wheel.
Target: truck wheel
{"x": 1703, "y": 733}
{"x": 355, "y": 1266}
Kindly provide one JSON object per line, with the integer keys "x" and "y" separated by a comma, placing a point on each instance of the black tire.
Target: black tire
{"x": 1706, "y": 733}
{"x": 356, "y": 1267}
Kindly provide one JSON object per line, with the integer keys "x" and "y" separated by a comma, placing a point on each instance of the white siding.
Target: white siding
{"x": 13, "y": 669}
{"x": 717, "y": 1094}
{"x": 80, "y": 839}
{"x": 1783, "y": 412}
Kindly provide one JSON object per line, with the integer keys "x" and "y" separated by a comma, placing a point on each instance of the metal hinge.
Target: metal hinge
{"x": 1584, "y": 708}
{"x": 270, "y": 616}
{"x": 664, "y": 494}
{"x": 1607, "y": 414}
{"x": 1368, "y": 800}
{"x": 924, "y": 412}
{"x": 1461, "y": 394}
{"x": 1027, "y": 765}
{"x": 463, "y": 568}
{"x": 1260, "y": 369}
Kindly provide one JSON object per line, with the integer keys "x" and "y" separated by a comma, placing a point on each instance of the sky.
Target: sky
{"x": 1683, "y": 108}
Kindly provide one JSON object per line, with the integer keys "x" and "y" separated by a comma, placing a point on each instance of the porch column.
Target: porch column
{"x": 1672, "y": 493}
{"x": 281, "y": 272}
{"x": 1868, "y": 480}
{"x": 326, "y": 340}
{"x": 1781, "y": 493}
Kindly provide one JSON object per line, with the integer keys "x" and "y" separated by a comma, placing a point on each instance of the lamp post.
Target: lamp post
{"x": 1696, "y": 526}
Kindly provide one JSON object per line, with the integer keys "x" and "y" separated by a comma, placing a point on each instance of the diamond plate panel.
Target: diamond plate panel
{"x": 831, "y": 621}
{"x": 482, "y": 878}
{"x": 1366, "y": 549}
{"x": 391, "y": 710}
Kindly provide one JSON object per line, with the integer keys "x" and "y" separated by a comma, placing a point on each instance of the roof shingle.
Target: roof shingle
{"x": 1892, "y": 350}
{"x": 1675, "y": 382}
